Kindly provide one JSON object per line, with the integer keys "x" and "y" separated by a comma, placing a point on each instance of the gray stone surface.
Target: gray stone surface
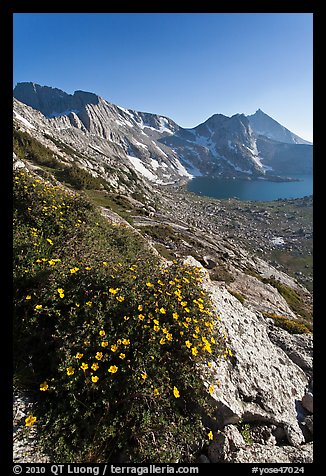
{"x": 229, "y": 447}
{"x": 259, "y": 383}
{"x": 308, "y": 402}
{"x": 25, "y": 449}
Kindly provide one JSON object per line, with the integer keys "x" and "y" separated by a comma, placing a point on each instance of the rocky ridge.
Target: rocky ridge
{"x": 153, "y": 145}
{"x": 264, "y": 405}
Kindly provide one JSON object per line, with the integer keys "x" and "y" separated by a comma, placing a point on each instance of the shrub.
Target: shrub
{"x": 78, "y": 178}
{"x": 27, "y": 147}
{"x": 290, "y": 325}
{"x": 240, "y": 297}
{"x": 292, "y": 297}
{"x": 110, "y": 341}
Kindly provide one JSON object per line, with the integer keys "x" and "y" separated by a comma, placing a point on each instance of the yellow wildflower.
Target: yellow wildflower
{"x": 176, "y": 392}
{"x": 113, "y": 291}
{"x": 61, "y": 292}
{"x": 70, "y": 371}
{"x": 95, "y": 378}
{"x": 162, "y": 310}
{"x": 122, "y": 356}
{"x": 144, "y": 376}
{"x": 156, "y": 328}
{"x": 95, "y": 366}
{"x": 210, "y": 435}
{"x": 175, "y": 315}
{"x": 49, "y": 241}
{"x": 28, "y": 297}
{"x": 74, "y": 270}
{"x": 104, "y": 343}
{"x": 44, "y": 387}
{"x": 156, "y": 392}
{"x": 162, "y": 341}
{"x": 140, "y": 307}
{"x": 141, "y": 317}
{"x": 102, "y": 332}
{"x": 114, "y": 347}
{"x": 194, "y": 351}
{"x": 211, "y": 389}
{"x": 89, "y": 303}
{"x": 38, "y": 306}
{"x": 98, "y": 355}
{"x": 79, "y": 355}
{"x": 113, "y": 369}
{"x": 120, "y": 298}
{"x": 84, "y": 366}
{"x": 188, "y": 344}
{"x": 150, "y": 285}
{"x": 30, "y": 420}
{"x": 125, "y": 341}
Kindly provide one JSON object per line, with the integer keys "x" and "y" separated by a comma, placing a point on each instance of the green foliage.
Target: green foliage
{"x": 245, "y": 430}
{"x": 26, "y": 147}
{"x": 109, "y": 341}
{"x": 160, "y": 233}
{"x": 292, "y": 297}
{"x": 79, "y": 178}
{"x": 290, "y": 325}
{"x": 237, "y": 295}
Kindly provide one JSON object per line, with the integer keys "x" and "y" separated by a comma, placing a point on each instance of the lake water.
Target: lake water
{"x": 262, "y": 190}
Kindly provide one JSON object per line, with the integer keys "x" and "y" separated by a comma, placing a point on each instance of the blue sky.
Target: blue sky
{"x": 187, "y": 66}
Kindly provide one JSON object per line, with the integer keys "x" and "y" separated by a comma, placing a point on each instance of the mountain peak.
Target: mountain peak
{"x": 52, "y": 101}
{"x": 264, "y": 125}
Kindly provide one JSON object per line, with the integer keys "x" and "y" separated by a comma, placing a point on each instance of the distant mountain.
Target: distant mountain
{"x": 264, "y": 125}
{"x": 153, "y": 146}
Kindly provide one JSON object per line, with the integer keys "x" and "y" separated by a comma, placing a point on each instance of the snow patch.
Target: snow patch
{"x": 278, "y": 241}
{"x": 140, "y": 144}
{"x": 154, "y": 164}
{"x": 159, "y": 149}
{"x": 163, "y": 127}
{"x": 181, "y": 169}
{"x": 191, "y": 168}
{"x": 23, "y": 120}
{"x": 63, "y": 113}
{"x": 140, "y": 167}
{"x": 231, "y": 146}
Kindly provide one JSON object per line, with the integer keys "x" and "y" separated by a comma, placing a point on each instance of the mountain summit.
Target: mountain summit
{"x": 52, "y": 101}
{"x": 155, "y": 146}
{"x": 264, "y": 125}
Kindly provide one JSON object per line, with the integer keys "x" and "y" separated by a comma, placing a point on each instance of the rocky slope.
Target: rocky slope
{"x": 264, "y": 384}
{"x": 155, "y": 146}
{"x": 264, "y": 410}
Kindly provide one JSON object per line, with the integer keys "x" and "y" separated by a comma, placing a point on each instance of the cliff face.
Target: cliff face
{"x": 265, "y": 384}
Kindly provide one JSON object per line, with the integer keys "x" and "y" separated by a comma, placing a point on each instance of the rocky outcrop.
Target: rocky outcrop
{"x": 259, "y": 384}
{"x": 230, "y": 447}
{"x": 25, "y": 440}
